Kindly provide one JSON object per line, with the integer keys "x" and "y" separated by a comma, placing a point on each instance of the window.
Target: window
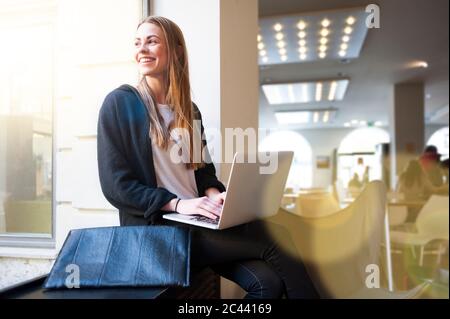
{"x": 357, "y": 154}
{"x": 26, "y": 119}
{"x": 300, "y": 175}
{"x": 440, "y": 140}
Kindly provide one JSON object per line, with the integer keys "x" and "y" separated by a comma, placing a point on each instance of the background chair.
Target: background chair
{"x": 338, "y": 249}
{"x": 397, "y": 215}
{"x": 432, "y": 224}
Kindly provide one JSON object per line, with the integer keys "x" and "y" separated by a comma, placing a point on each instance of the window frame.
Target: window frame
{"x": 147, "y": 8}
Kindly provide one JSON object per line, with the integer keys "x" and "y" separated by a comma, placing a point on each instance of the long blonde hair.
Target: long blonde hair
{"x": 178, "y": 94}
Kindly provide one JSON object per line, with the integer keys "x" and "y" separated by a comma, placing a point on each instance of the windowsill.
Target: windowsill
{"x": 27, "y": 247}
{"x": 15, "y": 271}
{"x": 33, "y": 253}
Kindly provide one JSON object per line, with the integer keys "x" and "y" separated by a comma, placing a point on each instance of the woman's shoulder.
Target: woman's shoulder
{"x": 121, "y": 98}
{"x": 125, "y": 91}
{"x": 122, "y": 102}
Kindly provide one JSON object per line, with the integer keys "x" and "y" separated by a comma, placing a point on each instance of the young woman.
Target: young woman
{"x": 139, "y": 177}
{"x": 414, "y": 185}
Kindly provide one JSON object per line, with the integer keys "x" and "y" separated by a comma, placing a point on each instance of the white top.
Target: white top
{"x": 174, "y": 177}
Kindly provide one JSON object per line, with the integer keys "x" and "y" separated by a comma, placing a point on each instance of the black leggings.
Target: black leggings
{"x": 258, "y": 256}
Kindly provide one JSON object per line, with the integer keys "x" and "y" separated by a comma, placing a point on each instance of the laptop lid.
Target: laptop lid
{"x": 255, "y": 186}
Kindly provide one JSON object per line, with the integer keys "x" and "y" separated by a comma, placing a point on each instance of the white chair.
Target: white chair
{"x": 397, "y": 215}
{"x": 338, "y": 248}
{"x": 432, "y": 224}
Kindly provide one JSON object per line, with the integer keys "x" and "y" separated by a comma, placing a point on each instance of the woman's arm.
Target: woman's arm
{"x": 119, "y": 183}
{"x": 400, "y": 185}
{"x": 429, "y": 187}
{"x": 196, "y": 206}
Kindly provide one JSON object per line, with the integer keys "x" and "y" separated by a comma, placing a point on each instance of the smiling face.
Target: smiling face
{"x": 151, "y": 50}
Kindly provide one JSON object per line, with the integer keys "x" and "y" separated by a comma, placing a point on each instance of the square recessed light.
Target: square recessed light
{"x": 323, "y": 34}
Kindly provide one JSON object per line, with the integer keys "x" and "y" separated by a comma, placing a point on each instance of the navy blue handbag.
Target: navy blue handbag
{"x": 131, "y": 256}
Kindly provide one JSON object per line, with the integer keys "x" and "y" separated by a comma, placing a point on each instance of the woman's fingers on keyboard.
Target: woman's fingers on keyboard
{"x": 212, "y": 203}
{"x": 206, "y": 213}
{"x": 211, "y": 207}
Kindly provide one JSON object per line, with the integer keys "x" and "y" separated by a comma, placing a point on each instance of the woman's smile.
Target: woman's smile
{"x": 146, "y": 60}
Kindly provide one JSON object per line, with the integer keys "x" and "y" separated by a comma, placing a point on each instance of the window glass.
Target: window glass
{"x": 26, "y": 103}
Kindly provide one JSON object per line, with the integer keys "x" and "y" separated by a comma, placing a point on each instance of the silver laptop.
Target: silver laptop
{"x": 250, "y": 195}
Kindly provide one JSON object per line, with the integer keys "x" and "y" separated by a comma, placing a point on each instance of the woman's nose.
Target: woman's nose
{"x": 142, "y": 48}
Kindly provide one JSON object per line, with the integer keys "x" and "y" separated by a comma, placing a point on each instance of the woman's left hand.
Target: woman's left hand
{"x": 217, "y": 197}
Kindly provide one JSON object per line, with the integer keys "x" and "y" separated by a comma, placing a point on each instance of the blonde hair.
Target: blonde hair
{"x": 178, "y": 94}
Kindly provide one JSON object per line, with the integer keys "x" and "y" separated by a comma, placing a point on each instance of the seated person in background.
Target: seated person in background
{"x": 355, "y": 183}
{"x": 415, "y": 185}
{"x": 430, "y": 162}
{"x": 444, "y": 167}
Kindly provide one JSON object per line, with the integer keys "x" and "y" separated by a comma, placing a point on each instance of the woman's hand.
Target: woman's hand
{"x": 214, "y": 194}
{"x": 200, "y": 206}
{"x": 219, "y": 198}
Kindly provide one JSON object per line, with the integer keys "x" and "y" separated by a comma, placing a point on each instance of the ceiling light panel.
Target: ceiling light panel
{"x": 324, "y": 116}
{"x": 312, "y": 36}
{"x": 305, "y": 92}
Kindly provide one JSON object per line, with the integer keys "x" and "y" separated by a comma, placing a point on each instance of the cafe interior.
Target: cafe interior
{"x": 358, "y": 90}
{"x": 365, "y": 109}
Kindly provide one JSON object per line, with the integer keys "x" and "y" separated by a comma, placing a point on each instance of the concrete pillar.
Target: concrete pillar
{"x": 407, "y": 126}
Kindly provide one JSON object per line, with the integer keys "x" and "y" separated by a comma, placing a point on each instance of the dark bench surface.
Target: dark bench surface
{"x": 205, "y": 284}
{"x": 33, "y": 290}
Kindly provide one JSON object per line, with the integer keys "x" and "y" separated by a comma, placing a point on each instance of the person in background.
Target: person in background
{"x": 355, "y": 183}
{"x": 430, "y": 162}
{"x": 359, "y": 168}
{"x": 366, "y": 176}
{"x": 444, "y": 167}
{"x": 415, "y": 186}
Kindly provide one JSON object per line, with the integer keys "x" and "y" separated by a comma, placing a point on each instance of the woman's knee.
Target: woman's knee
{"x": 264, "y": 282}
{"x": 274, "y": 287}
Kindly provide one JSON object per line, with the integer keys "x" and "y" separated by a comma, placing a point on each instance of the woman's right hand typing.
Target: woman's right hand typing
{"x": 197, "y": 206}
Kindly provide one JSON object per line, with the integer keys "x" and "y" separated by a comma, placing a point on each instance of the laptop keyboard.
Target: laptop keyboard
{"x": 206, "y": 220}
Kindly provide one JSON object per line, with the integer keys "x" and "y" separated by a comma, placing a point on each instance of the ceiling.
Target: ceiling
{"x": 411, "y": 30}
